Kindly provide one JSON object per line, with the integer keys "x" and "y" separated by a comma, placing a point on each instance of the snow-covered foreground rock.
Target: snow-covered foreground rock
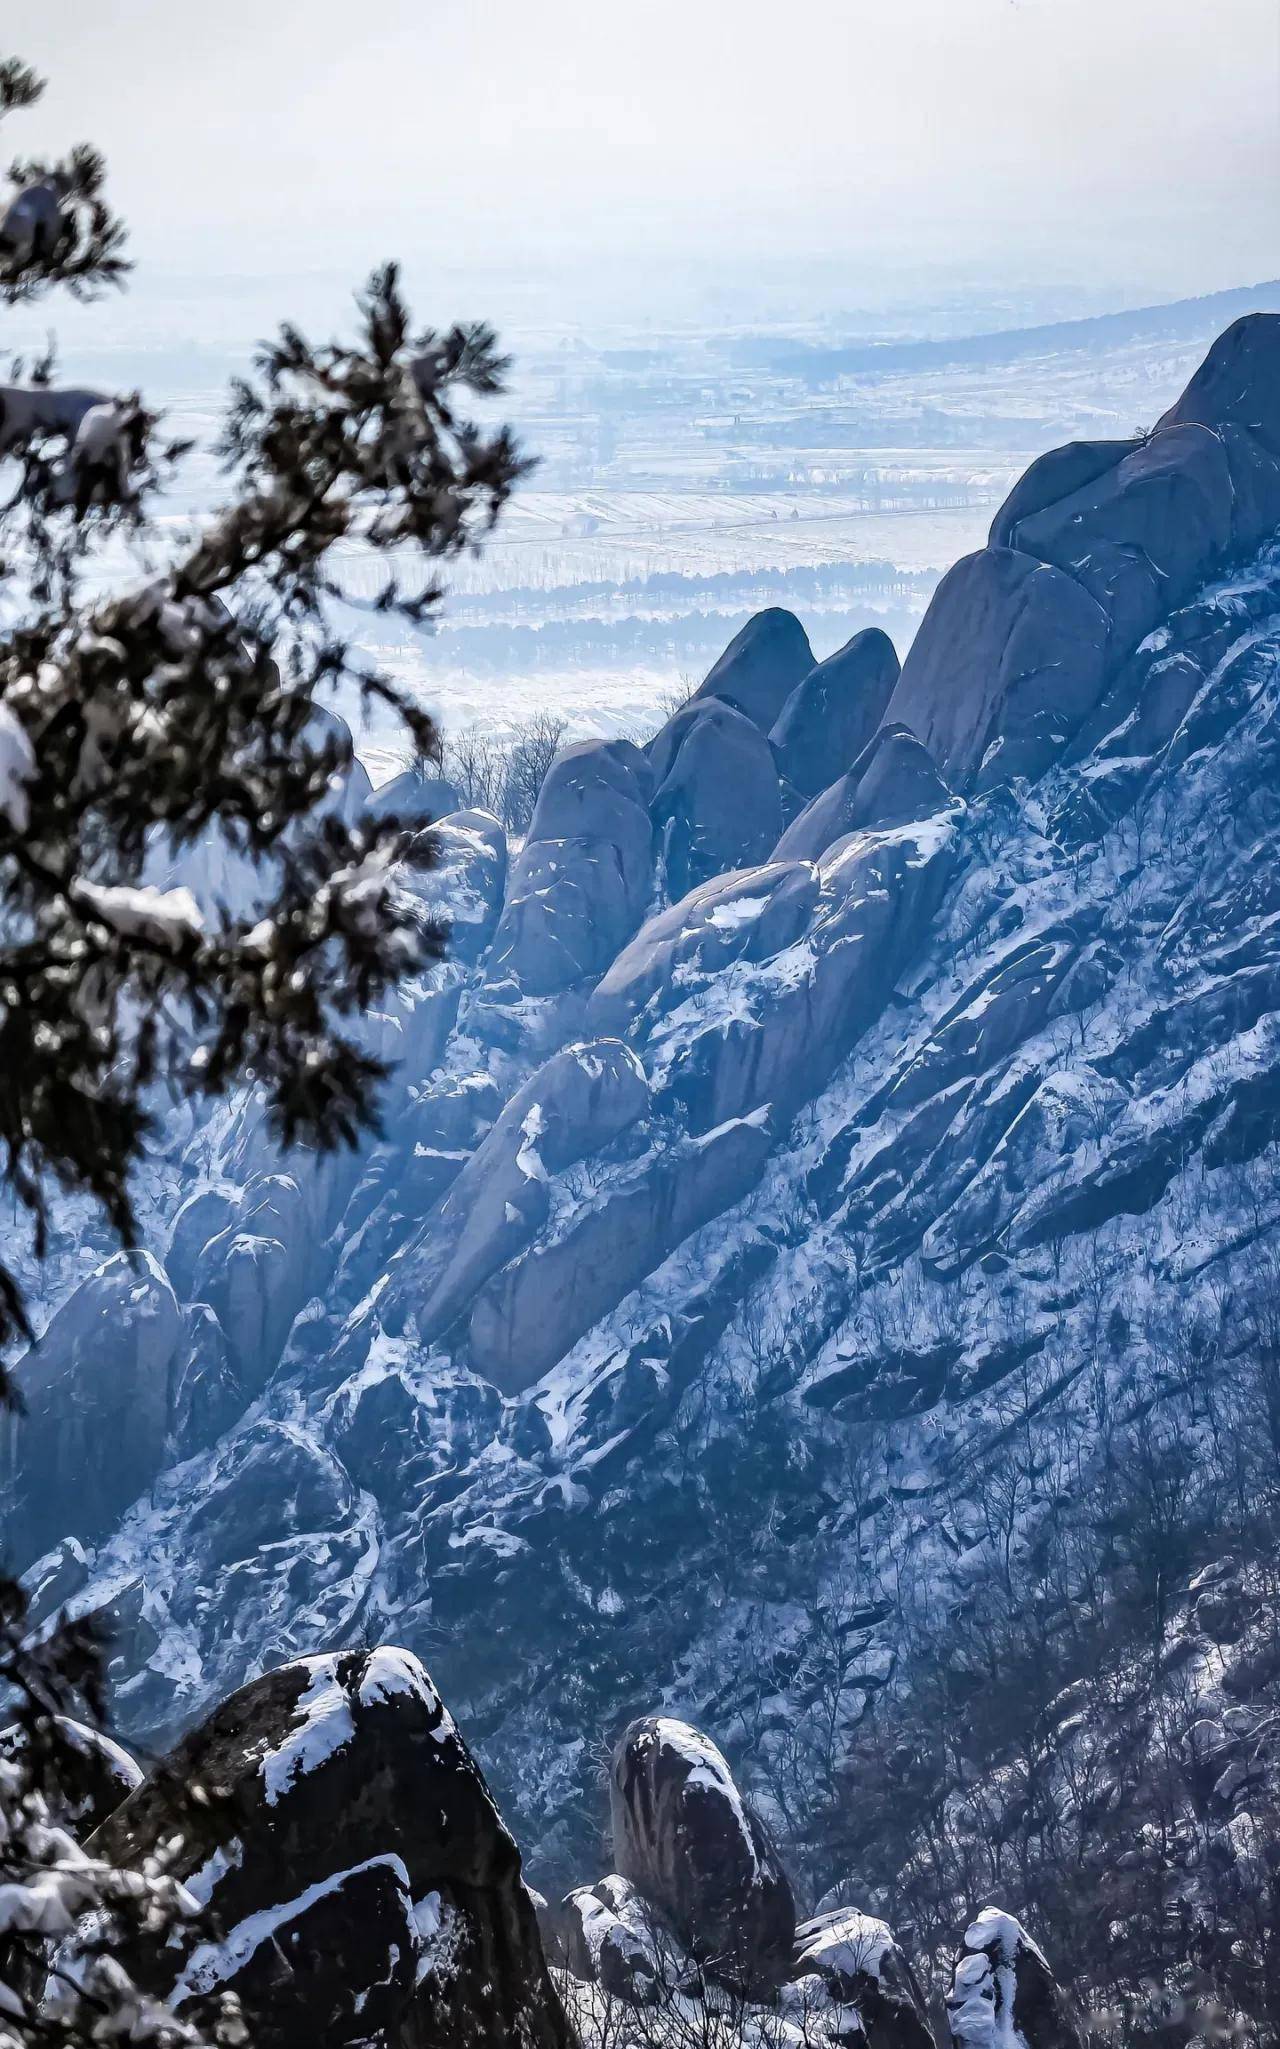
{"x": 340, "y": 1876}
{"x": 353, "y": 1879}
{"x": 799, "y": 1133}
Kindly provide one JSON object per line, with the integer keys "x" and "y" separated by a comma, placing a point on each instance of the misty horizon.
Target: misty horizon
{"x": 868, "y": 158}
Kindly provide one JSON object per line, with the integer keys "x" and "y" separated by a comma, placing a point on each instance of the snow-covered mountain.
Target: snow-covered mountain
{"x": 821, "y": 1112}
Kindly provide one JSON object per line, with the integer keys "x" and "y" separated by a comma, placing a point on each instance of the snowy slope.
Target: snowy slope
{"x": 675, "y": 1316}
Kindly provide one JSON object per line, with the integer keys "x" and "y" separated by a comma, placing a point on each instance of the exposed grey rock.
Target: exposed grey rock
{"x": 583, "y": 877}
{"x": 718, "y": 805}
{"x": 346, "y": 1844}
{"x": 567, "y": 912}
{"x": 1235, "y": 385}
{"x": 578, "y": 798}
{"x": 893, "y": 782}
{"x": 1003, "y": 1989}
{"x": 257, "y": 1273}
{"x": 992, "y": 1090}
{"x": 54, "y": 1580}
{"x": 207, "y": 1395}
{"x": 835, "y": 712}
{"x": 687, "y": 1840}
{"x": 1009, "y": 661}
{"x": 437, "y": 1132}
{"x": 576, "y": 1103}
{"x": 278, "y": 1485}
{"x": 1139, "y": 536}
{"x": 536, "y": 1307}
{"x": 201, "y": 1217}
{"x": 96, "y": 1390}
{"x": 415, "y": 797}
{"x": 467, "y": 883}
{"x": 862, "y": 1967}
{"x": 1055, "y": 476}
{"x": 749, "y": 914}
{"x": 733, "y": 1039}
{"x": 1234, "y": 393}
{"x": 761, "y": 666}
{"x": 1009, "y": 658}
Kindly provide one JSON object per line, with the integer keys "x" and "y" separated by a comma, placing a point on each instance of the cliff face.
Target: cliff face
{"x": 796, "y": 1120}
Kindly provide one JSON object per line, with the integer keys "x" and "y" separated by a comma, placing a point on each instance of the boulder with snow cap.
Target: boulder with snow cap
{"x": 761, "y": 666}
{"x": 95, "y": 1773}
{"x": 1003, "y": 1991}
{"x": 863, "y": 1968}
{"x": 894, "y": 781}
{"x": 465, "y": 886}
{"x": 354, "y": 1871}
{"x": 835, "y": 712}
{"x": 718, "y": 805}
{"x": 749, "y": 914}
{"x": 688, "y": 1841}
{"x": 609, "y": 1938}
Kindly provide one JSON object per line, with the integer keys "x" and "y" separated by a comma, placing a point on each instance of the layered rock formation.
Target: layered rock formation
{"x": 755, "y": 1137}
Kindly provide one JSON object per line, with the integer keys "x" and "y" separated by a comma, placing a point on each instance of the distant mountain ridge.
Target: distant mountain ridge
{"x": 1179, "y": 320}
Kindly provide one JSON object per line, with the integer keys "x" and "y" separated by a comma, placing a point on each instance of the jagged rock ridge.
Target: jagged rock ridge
{"x": 709, "y": 1111}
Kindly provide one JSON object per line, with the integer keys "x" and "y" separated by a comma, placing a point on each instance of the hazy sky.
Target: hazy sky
{"x": 1125, "y": 143}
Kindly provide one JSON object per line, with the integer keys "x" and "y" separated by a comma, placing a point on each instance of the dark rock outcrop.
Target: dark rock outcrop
{"x": 354, "y": 1871}
{"x": 832, "y": 715}
{"x": 1003, "y": 1990}
{"x": 687, "y": 1840}
{"x": 761, "y": 667}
